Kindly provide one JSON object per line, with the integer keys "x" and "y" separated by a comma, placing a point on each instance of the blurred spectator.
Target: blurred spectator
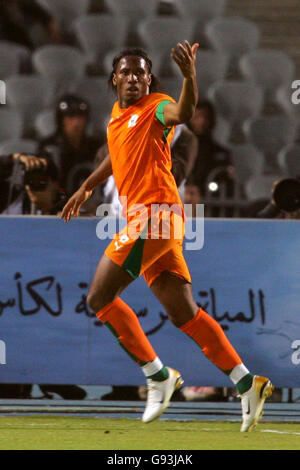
{"x": 192, "y": 195}
{"x": 18, "y": 19}
{"x": 184, "y": 148}
{"x": 71, "y": 146}
{"x": 34, "y": 186}
{"x": 211, "y": 155}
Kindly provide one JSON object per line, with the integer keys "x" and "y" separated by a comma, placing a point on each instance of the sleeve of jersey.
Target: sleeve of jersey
{"x": 159, "y": 114}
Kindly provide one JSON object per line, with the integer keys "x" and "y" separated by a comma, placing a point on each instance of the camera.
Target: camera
{"x": 286, "y": 195}
{"x": 36, "y": 179}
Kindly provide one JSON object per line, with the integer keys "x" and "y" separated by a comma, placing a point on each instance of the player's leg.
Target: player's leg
{"x": 175, "y": 294}
{"x": 109, "y": 281}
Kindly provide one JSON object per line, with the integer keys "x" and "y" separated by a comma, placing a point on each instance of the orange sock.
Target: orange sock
{"x": 124, "y": 324}
{"x": 209, "y": 335}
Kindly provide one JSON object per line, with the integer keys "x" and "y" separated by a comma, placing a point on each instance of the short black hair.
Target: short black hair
{"x": 155, "y": 85}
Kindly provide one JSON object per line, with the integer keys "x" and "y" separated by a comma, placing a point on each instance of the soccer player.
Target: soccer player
{"x": 139, "y": 135}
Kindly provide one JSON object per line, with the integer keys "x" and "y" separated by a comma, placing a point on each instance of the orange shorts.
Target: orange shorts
{"x": 151, "y": 245}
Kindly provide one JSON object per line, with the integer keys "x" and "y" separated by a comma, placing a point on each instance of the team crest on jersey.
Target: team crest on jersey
{"x": 133, "y": 120}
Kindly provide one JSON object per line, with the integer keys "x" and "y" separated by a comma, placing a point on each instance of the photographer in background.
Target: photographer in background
{"x": 70, "y": 146}
{"x": 33, "y": 187}
{"x": 284, "y": 203}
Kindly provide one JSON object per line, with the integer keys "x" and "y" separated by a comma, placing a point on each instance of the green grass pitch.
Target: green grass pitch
{"x": 74, "y": 433}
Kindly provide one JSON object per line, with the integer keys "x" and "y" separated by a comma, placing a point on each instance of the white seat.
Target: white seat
{"x": 270, "y": 134}
{"x": 100, "y": 98}
{"x": 201, "y": 10}
{"x": 44, "y": 123}
{"x": 222, "y": 130}
{"x": 236, "y": 101}
{"x": 61, "y": 65}
{"x": 11, "y": 124}
{"x": 12, "y": 56}
{"x": 289, "y": 160}
{"x": 172, "y": 86}
{"x": 18, "y": 146}
{"x": 247, "y": 160}
{"x": 232, "y": 36}
{"x": 162, "y": 33}
{"x": 260, "y": 186}
{"x": 268, "y": 68}
{"x": 65, "y": 11}
{"x": 28, "y": 94}
{"x": 211, "y": 66}
{"x": 98, "y": 33}
{"x": 133, "y": 10}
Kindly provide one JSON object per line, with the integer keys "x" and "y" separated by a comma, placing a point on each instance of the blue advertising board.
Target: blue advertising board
{"x": 247, "y": 276}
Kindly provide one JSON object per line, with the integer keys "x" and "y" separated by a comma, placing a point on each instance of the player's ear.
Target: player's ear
{"x": 114, "y": 79}
{"x": 149, "y": 79}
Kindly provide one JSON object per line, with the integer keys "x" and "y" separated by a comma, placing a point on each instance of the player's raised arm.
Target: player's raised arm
{"x": 185, "y": 58}
{"x": 102, "y": 172}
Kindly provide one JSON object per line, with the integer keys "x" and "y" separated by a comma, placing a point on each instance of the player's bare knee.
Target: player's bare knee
{"x": 180, "y": 318}
{"x": 96, "y": 301}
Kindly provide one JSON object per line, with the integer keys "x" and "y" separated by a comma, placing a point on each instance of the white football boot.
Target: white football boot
{"x": 253, "y": 401}
{"x": 159, "y": 395}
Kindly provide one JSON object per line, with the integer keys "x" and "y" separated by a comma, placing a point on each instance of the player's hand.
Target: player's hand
{"x": 30, "y": 162}
{"x": 74, "y": 204}
{"x": 185, "y": 58}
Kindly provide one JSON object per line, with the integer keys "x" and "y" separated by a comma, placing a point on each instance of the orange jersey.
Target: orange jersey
{"x": 139, "y": 147}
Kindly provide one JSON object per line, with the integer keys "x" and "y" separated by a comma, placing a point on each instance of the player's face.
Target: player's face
{"x": 132, "y": 80}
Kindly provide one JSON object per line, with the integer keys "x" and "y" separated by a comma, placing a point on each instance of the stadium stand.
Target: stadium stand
{"x": 236, "y": 101}
{"x": 289, "y": 160}
{"x": 211, "y": 67}
{"x": 28, "y": 94}
{"x": 91, "y": 30}
{"x": 11, "y": 124}
{"x": 66, "y": 11}
{"x": 18, "y": 146}
{"x": 12, "y": 58}
{"x": 44, "y": 123}
{"x": 260, "y": 186}
{"x": 269, "y": 69}
{"x": 232, "y": 36}
{"x": 270, "y": 134}
{"x": 60, "y": 65}
{"x": 247, "y": 161}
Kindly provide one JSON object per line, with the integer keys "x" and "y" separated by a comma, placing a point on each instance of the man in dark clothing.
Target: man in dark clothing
{"x": 72, "y": 150}
{"x": 211, "y": 155}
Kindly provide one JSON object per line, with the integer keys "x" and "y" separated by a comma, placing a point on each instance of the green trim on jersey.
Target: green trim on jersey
{"x": 159, "y": 114}
{"x": 133, "y": 262}
{"x": 115, "y": 333}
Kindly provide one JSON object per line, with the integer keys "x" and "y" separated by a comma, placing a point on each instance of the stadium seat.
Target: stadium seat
{"x": 247, "y": 160}
{"x": 211, "y": 66}
{"x": 260, "y": 186}
{"x": 97, "y": 34}
{"x": 202, "y": 10}
{"x": 44, "y": 123}
{"x": 134, "y": 10}
{"x": 11, "y": 124}
{"x": 100, "y": 98}
{"x": 12, "y": 57}
{"x": 18, "y": 146}
{"x": 270, "y": 134}
{"x": 28, "y": 94}
{"x": 61, "y": 65}
{"x": 66, "y": 11}
{"x": 160, "y": 34}
{"x": 236, "y": 101}
{"x": 222, "y": 131}
{"x": 268, "y": 68}
{"x": 289, "y": 160}
{"x": 233, "y": 37}
{"x": 171, "y": 86}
